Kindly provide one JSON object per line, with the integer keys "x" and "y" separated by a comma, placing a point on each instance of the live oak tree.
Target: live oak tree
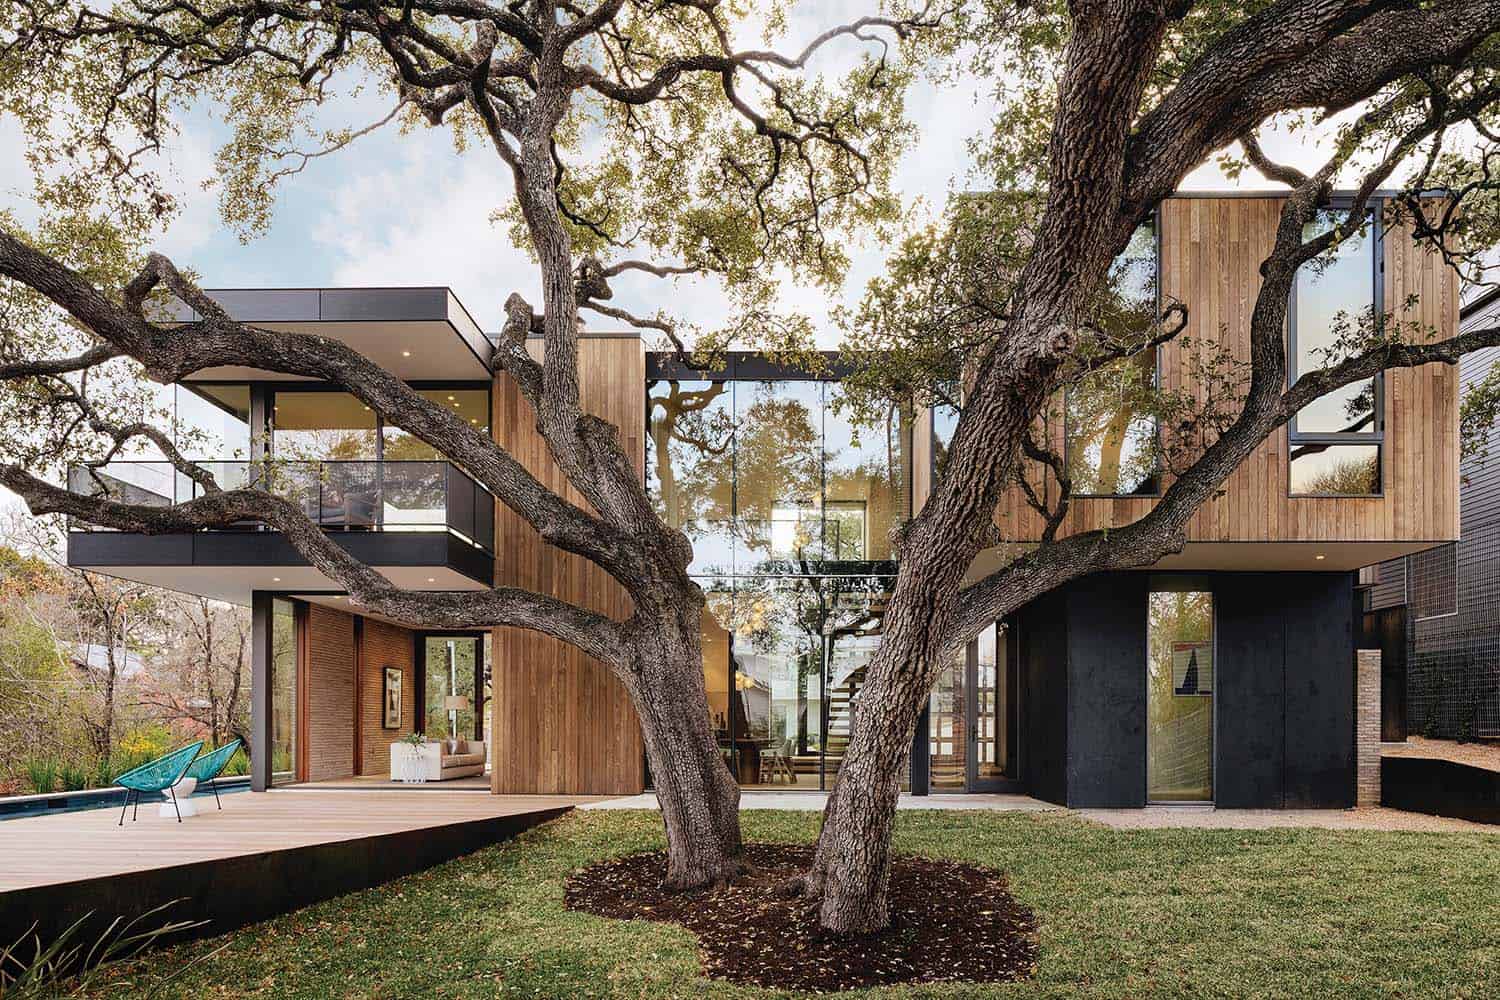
{"x": 1104, "y": 108}
{"x": 641, "y": 141}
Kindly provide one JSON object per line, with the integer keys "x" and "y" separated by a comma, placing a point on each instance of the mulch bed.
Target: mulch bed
{"x": 950, "y": 922}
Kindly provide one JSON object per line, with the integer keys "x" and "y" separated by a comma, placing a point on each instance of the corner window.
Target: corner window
{"x": 1336, "y": 439}
{"x": 1111, "y": 431}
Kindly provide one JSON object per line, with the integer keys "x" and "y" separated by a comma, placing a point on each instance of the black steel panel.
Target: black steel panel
{"x": 121, "y": 548}
{"x": 385, "y": 304}
{"x": 1319, "y": 689}
{"x": 1107, "y": 691}
{"x": 1250, "y": 692}
{"x": 1044, "y": 698}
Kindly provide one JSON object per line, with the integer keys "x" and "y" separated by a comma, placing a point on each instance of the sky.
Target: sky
{"x": 408, "y": 210}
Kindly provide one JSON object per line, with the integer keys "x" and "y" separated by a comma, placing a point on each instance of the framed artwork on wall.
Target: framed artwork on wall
{"x": 391, "y": 718}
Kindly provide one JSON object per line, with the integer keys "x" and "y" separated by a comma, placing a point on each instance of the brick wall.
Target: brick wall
{"x": 330, "y": 693}
{"x": 1367, "y": 728}
{"x": 384, "y": 646}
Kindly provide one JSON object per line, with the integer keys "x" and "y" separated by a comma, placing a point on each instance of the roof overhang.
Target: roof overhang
{"x": 416, "y": 334}
{"x": 1245, "y": 557}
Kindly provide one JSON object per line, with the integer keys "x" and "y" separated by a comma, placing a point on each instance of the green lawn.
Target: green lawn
{"x": 1171, "y": 913}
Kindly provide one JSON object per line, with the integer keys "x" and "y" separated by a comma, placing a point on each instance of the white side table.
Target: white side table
{"x": 185, "y": 805}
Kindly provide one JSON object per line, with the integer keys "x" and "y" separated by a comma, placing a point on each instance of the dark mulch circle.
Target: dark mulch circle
{"x": 950, "y": 922}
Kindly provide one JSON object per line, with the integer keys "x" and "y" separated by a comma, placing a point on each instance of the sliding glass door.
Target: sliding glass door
{"x": 972, "y": 717}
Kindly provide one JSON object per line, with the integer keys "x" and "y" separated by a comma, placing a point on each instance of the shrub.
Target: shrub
{"x": 73, "y": 776}
{"x": 238, "y": 764}
{"x": 42, "y": 772}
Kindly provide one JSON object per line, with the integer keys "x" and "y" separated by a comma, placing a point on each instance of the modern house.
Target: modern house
{"x": 1225, "y": 674}
{"x": 1435, "y": 615}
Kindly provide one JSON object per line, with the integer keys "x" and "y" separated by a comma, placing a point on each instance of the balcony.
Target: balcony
{"x": 337, "y": 496}
{"x": 424, "y": 524}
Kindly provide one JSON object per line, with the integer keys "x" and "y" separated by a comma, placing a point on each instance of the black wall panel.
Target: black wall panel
{"x": 1250, "y": 693}
{"x": 1319, "y": 689}
{"x": 1044, "y": 698}
{"x": 1107, "y": 691}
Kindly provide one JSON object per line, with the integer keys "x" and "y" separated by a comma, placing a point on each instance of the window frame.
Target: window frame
{"x": 1376, "y": 436}
{"x": 1159, "y": 473}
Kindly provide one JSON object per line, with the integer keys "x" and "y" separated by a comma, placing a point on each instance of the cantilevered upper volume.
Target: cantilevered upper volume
{"x": 415, "y": 333}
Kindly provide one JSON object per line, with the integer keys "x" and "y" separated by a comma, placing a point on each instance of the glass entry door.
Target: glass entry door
{"x": 973, "y": 717}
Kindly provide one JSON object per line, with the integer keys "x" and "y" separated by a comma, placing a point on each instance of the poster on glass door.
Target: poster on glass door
{"x": 1192, "y": 668}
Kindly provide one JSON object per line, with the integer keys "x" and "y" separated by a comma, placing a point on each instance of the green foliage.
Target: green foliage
{"x": 42, "y": 773}
{"x": 71, "y": 963}
{"x": 74, "y": 777}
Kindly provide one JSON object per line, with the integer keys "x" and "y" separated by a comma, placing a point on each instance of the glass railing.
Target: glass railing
{"x": 350, "y": 496}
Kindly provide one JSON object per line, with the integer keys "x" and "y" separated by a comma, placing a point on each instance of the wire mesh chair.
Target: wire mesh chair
{"x": 208, "y": 767}
{"x": 158, "y": 775}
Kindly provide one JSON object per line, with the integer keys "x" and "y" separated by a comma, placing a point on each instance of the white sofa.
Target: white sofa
{"x": 434, "y": 761}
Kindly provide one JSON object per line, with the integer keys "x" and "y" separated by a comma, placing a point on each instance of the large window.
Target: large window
{"x": 1180, "y": 695}
{"x": 284, "y": 653}
{"x": 1111, "y": 431}
{"x": 769, "y": 477}
{"x": 1335, "y": 440}
{"x": 452, "y": 666}
{"x": 790, "y": 508}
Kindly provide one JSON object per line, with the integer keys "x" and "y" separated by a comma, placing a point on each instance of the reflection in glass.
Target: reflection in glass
{"x": 1333, "y": 293}
{"x": 865, "y": 477}
{"x": 1111, "y": 449}
{"x": 1335, "y": 469}
{"x": 323, "y": 426}
{"x": 944, "y": 424}
{"x": 778, "y": 474}
{"x": 690, "y": 466}
{"x": 449, "y": 663}
{"x": 1179, "y": 696}
{"x": 213, "y": 421}
{"x": 990, "y": 758}
{"x": 948, "y": 728}
{"x": 473, "y": 405}
{"x": 1110, "y": 428}
{"x": 283, "y": 691}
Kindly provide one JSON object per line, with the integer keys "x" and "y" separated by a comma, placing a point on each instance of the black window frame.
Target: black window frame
{"x": 1326, "y": 439}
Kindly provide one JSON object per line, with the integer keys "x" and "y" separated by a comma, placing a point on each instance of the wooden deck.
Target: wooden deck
{"x": 262, "y": 854}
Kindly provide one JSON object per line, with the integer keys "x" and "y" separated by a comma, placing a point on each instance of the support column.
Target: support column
{"x": 260, "y": 691}
{"x": 1367, "y": 727}
{"x": 921, "y": 749}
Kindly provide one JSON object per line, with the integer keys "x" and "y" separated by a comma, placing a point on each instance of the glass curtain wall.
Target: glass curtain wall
{"x": 284, "y": 735}
{"x": 1180, "y": 696}
{"x": 790, "y": 508}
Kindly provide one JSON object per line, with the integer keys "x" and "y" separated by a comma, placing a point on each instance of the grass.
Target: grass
{"x": 1147, "y": 913}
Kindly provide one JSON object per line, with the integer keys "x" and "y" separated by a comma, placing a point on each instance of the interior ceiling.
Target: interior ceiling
{"x": 409, "y": 349}
{"x": 234, "y": 583}
{"x": 1246, "y": 557}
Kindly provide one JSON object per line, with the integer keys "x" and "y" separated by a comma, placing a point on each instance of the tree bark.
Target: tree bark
{"x": 699, "y": 796}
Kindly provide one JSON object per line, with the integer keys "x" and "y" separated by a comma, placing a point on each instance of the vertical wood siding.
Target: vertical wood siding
{"x": 560, "y": 722}
{"x": 1211, "y": 253}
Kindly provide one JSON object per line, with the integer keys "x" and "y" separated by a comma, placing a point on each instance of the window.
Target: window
{"x": 944, "y": 424}
{"x": 1111, "y": 433}
{"x": 1180, "y": 695}
{"x": 1433, "y": 577}
{"x": 286, "y": 630}
{"x": 1335, "y": 440}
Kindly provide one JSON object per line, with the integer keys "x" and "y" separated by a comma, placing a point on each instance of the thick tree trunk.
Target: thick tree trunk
{"x": 699, "y": 796}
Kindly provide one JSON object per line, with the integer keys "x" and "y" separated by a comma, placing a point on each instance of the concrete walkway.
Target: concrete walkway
{"x": 1151, "y": 817}
{"x": 815, "y": 801}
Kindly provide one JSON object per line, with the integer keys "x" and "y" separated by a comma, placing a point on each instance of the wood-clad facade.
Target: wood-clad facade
{"x": 1210, "y": 252}
{"x": 560, "y": 721}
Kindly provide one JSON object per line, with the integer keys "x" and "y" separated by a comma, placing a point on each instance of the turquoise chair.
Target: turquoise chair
{"x": 158, "y": 775}
{"x": 208, "y": 767}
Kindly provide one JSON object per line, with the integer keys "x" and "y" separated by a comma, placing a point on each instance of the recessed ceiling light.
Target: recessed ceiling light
{"x": 406, "y": 354}
{"x": 1320, "y": 556}
{"x": 275, "y": 579}
{"x": 450, "y": 395}
{"x": 432, "y": 579}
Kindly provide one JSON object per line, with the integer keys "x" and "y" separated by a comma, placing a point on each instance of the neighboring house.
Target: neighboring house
{"x": 1436, "y": 614}
{"x": 93, "y": 656}
{"x": 1225, "y": 674}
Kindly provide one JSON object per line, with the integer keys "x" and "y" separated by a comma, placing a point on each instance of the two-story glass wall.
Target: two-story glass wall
{"x": 790, "y": 507}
